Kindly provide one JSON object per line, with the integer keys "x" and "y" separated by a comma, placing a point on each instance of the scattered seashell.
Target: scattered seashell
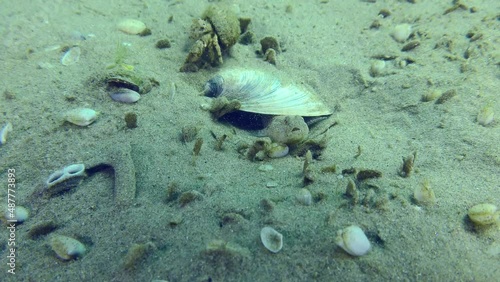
{"x": 277, "y": 150}
{"x": 424, "y": 194}
{"x": 377, "y": 68}
{"x": 131, "y": 26}
{"x": 261, "y": 93}
{"x": 71, "y": 56}
{"x": 484, "y": 214}
{"x": 67, "y": 248}
{"x": 401, "y": 32}
{"x": 353, "y": 240}
{"x": 124, "y": 95}
{"x": 6, "y": 129}
{"x": 304, "y": 197}
{"x": 81, "y": 116}
{"x": 485, "y": 115}
{"x": 65, "y": 178}
{"x": 271, "y": 239}
{"x": 19, "y": 215}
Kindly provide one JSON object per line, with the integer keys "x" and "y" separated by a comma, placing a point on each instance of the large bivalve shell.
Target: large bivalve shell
{"x": 258, "y": 92}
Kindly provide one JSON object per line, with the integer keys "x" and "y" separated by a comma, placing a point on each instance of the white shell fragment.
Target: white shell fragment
{"x": 71, "y": 56}
{"x": 271, "y": 239}
{"x": 67, "y": 248}
{"x": 353, "y": 240}
{"x": 261, "y": 93}
{"x": 131, "y": 26}
{"x": 81, "y": 116}
{"x": 4, "y": 131}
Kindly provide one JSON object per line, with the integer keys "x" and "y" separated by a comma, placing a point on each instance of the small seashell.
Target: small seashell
{"x": 131, "y": 26}
{"x": 304, "y": 197}
{"x": 81, "y": 116}
{"x": 485, "y": 115}
{"x": 19, "y": 215}
{"x": 6, "y": 129}
{"x": 277, "y": 150}
{"x": 65, "y": 178}
{"x": 353, "y": 240}
{"x": 271, "y": 239}
{"x": 71, "y": 56}
{"x": 124, "y": 95}
{"x": 484, "y": 214}
{"x": 261, "y": 93}
{"x": 424, "y": 194}
{"x": 401, "y": 32}
{"x": 67, "y": 248}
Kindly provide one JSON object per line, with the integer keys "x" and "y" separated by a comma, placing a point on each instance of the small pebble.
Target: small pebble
{"x": 131, "y": 26}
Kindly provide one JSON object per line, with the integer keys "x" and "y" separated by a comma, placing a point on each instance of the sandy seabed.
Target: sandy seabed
{"x": 329, "y": 47}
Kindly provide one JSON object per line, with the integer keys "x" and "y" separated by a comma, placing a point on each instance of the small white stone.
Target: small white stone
{"x": 401, "y": 32}
{"x": 353, "y": 240}
{"x": 131, "y": 26}
{"x": 271, "y": 239}
{"x": 81, "y": 116}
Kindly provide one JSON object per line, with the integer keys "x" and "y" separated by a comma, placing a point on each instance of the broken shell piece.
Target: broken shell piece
{"x": 6, "y": 129}
{"x": 353, "y": 240}
{"x": 81, "y": 116}
{"x": 71, "y": 56}
{"x": 271, "y": 239}
{"x": 65, "y": 178}
{"x": 261, "y": 93}
{"x": 67, "y": 248}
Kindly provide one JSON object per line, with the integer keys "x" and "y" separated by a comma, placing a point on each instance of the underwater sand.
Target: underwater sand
{"x": 329, "y": 49}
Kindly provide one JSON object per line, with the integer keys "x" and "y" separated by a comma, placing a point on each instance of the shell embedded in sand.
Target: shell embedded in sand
{"x": 258, "y": 92}
{"x": 271, "y": 239}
